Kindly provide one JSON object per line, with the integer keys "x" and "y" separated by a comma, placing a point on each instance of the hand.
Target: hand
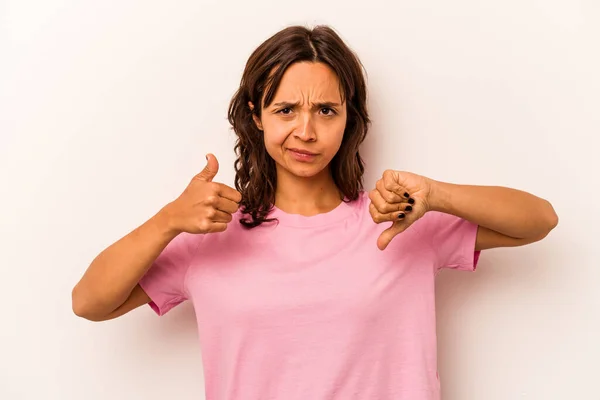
{"x": 400, "y": 197}
{"x": 204, "y": 206}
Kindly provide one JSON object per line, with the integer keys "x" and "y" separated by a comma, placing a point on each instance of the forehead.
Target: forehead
{"x": 309, "y": 81}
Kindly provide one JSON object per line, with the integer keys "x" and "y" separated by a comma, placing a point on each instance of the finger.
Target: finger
{"x": 221, "y": 216}
{"x": 217, "y": 227}
{"x": 226, "y": 205}
{"x": 399, "y": 215}
{"x": 384, "y": 207}
{"x": 396, "y": 196}
{"x": 228, "y": 192}
{"x": 210, "y": 170}
{"x": 390, "y": 183}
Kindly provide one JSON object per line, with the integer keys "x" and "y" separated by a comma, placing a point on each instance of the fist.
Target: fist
{"x": 401, "y": 198}
{"x": 204, "y": 206}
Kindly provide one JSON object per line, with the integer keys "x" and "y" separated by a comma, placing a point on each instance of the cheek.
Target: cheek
{"x": 275, "y": 132}
{"x": 273, "y": 139}
{"x": 335, "y": 135}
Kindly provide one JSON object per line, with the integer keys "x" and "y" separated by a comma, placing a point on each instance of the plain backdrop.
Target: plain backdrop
{"x": 107, "y": 109}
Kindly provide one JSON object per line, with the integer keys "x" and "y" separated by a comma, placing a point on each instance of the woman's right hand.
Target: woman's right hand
{"x": 204, "y": 206}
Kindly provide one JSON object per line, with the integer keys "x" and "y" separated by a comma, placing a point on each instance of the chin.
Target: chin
{"x": 301, "y": 169}
{"x": 306, "y": 174}
{"x": 306, "y": 171}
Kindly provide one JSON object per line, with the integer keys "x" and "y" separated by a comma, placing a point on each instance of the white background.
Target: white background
{"x": 108, "y": 108}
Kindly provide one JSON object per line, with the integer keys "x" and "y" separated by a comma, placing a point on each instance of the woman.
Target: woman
{"x": 304, "y": 285}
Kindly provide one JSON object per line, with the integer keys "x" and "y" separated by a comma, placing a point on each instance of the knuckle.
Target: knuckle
{"x": 372, "y": 209}
{"x": 211, "y": 213}
{"x": 214, "y": 186}
{"x": 378, "y": 207}
{"x": 204, "y": 225}
{"x": 211, "y": 200}
{"x": 221, "y": 228}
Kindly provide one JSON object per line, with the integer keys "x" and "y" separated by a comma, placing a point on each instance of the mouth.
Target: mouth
{"x": 304, "y": 152}
{"x": 302, "y": 155}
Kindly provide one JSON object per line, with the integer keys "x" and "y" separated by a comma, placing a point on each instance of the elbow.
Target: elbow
{"x": 79, "y": 304}
{"x": 549, "y": 222}
{"x": 545, "y": 223}
{"x": 551, "y": 218}
{"x": 82, "y": 307}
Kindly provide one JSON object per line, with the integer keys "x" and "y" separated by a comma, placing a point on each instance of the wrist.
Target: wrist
{"x": 439, "y": 197}
{"x": 164, "y": 222}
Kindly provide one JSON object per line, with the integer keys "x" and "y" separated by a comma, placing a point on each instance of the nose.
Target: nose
{"x": 306, "y": 130}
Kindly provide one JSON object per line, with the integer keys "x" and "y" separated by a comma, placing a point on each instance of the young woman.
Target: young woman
{"x": 304, "y": 285}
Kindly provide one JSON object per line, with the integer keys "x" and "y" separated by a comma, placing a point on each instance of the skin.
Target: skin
{"x": 307, "y": 113}
{"x": 297, "y": 118}
{"x": 506, "y": 217}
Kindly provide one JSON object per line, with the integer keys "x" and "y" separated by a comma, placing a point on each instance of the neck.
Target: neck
{"x": 306, "y": 196}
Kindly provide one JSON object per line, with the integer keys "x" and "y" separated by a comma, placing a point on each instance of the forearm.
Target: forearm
{"x": 510, "y": 212}
{"x": 114, "y": 273}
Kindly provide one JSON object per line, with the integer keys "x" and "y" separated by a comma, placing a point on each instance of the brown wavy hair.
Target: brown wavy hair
{"x": 256, "y": 177}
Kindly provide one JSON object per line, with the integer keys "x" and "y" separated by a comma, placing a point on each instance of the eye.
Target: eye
{"x": 327, "y": 111}
{"x": 285, "y": 111}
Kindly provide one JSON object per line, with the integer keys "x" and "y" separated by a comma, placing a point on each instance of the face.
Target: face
{"x": 304, "y": 125}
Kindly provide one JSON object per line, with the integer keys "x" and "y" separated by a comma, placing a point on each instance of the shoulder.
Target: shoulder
{"x": 363, "y": 200}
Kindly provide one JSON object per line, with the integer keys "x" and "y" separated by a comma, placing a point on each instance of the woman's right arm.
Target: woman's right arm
{"x": 110, "y": 286}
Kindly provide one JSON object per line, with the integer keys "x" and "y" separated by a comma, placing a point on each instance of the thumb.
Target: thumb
{"x": 386, "y": 236}
{"x": 211, "y": 169}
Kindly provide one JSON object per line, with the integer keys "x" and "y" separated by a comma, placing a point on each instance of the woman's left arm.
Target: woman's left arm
{"x": 506, "y": 217}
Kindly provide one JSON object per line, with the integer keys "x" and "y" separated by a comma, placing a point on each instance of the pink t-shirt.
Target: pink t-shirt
{"x": 311, "y": 308}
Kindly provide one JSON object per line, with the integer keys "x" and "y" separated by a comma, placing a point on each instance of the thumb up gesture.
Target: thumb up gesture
{"x": 204, "y": 206}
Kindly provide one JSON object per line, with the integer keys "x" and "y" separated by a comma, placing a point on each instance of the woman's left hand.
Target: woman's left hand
{"x": 400, "y": 197}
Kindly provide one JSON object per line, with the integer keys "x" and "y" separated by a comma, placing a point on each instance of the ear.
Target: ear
{"x": 255, "y": 117}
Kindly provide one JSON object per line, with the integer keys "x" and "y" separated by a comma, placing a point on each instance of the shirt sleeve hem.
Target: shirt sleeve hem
{"x": 155, "y": 303}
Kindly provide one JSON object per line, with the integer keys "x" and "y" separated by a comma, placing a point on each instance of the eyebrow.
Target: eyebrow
{"x": 324, "y": 104}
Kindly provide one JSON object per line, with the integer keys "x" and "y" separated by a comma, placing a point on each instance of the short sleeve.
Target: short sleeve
{"x": 164, "y": 282}
{"x": 453, "y": 241}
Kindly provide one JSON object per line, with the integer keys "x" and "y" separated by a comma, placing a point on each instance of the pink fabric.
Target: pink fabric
{"x": 311, "y": 308}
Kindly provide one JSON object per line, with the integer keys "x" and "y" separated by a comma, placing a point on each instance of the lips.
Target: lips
{"x": 300, "y": 151}
{"x": 303, "y": 156}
